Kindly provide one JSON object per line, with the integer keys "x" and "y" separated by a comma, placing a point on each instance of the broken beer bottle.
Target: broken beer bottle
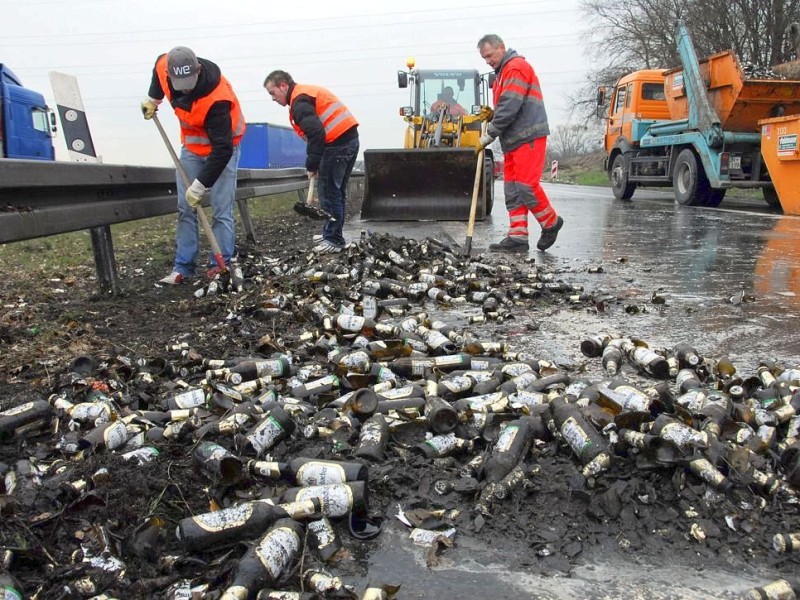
{"x": 265, "y": 562}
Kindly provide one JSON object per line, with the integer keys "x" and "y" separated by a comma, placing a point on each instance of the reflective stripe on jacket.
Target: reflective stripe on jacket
{"x": 335, "y": 117}
{"x": 519, "y": 114}
{"x": 193, "y": 133}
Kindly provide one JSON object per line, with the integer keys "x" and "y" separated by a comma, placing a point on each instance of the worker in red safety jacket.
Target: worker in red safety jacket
{"x": 212, "y": 125}
{"x": 331, "y": 134}
{"x": 520, "y": 121}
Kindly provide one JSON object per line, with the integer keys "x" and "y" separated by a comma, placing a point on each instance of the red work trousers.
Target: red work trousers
{"x": 522, "y": 172}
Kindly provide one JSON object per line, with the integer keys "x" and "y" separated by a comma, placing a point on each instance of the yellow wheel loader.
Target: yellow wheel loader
{"x": 432, "y": 178}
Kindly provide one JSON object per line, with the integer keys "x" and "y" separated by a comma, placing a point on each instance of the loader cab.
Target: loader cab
{"x": 427, "y": 87}
{"x": 635, "y": 102}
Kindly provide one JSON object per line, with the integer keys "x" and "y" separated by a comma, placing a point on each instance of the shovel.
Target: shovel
{"x": 221, "y": 266}
{"x": 307, "y": 209}
{"x": 476, "y": 188}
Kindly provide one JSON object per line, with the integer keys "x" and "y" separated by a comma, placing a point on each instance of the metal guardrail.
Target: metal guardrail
{"x": 40, "y": 199}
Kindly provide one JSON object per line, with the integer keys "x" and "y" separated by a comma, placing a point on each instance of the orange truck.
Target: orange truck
{"x": 703, "y": 128}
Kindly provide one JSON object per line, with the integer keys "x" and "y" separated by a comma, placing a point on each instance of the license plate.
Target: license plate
{"x": 735, "y": 163}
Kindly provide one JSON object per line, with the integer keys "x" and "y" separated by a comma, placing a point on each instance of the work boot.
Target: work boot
{"x": 510, "y": 244}
{"x": 549, "y": 235}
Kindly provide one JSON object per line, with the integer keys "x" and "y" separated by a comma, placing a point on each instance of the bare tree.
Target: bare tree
{"x": 640, "y": 34}
{"x": 569, "y": 141}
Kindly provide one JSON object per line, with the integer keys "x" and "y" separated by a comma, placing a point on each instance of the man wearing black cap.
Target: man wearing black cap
{"x": 212, "y": 126}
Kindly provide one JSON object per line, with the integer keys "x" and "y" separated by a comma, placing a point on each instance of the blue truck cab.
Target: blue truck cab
{"x": 27, "y": 125}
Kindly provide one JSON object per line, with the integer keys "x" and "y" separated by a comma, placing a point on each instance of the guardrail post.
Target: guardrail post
{"x": 104, "y": 261}
{"x": 247, "y": 223}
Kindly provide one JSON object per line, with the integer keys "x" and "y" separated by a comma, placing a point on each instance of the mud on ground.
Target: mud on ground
{"x": 642, "y": 515}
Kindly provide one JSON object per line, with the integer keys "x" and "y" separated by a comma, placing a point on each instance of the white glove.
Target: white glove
{"x": 195, "y": 193}
{"x": 486, "y": 140}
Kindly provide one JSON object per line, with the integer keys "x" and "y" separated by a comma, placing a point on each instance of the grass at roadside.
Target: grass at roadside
{"x": 156, "y": 236}
{"x": 597, "y": 178}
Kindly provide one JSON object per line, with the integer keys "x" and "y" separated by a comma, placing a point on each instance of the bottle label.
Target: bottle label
{"x": 317, "y": 473}
{"x": 300, "y": 510}
{"x": 692, "y": 400}
{"x": 507, "y": 437}
{"x": 336, "y": 500}
{"x": 91, "y": 412}
{"x": 18, "y": 410}
{"x": 190, "y": 398}
{"x": 681, "y": 435}
{"x": 443, "y": 361}
{"x": 632, "y": 399}
{"x": 576, "y": 437}
{"x": 277, "y": 549}
{"x": 480, "y": 364}
{"x": 265, "y": 434}
{"x": 356, "y": 361}
{"x": 460, "y": 383}
{"x": 350, "y": 322}
{"x": 227, "y": 518}
{"x": 323, "y": 531}
{"x": 483, "y": 402}
{"x": 116, "y": 435}
{"x": 418, "y": 367}
{"x": 527, "y": 399}
{"x": 442, "y": 444}
{"x": 217, "y": 453}
{"x": 322, "y": 382}
{"x": 141, "y": 455}
{"x": 517, "y": 369}
{"x": 524, "y": 380}
{"x": 269, "y": 367}
{"x": 371, "y": 435}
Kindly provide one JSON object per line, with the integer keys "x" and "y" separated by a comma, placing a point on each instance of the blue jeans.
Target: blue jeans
{"x": 222, "y": 195}
{"x": 334, "y": 173}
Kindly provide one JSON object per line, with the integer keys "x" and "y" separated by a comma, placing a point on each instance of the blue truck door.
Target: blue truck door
{"x": 26, "y": 131}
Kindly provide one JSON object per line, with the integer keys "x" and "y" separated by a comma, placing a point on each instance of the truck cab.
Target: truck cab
{"x": 637, "y": 101}
{"x": 27, "y": 125}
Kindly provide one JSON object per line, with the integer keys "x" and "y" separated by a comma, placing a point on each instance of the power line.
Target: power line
{"x": 239, "y": 34}
{"x": 274, "y": 58}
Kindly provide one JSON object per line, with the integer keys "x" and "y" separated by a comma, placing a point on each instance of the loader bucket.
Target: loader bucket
{"x": 425, "y": 184}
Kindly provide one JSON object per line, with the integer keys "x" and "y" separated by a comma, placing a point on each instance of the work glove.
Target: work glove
{"x": 485, "y": 141}
{"x": 486, "y": 114}
{"x": 149, "y": 108}
{"x": 195, "y": 193}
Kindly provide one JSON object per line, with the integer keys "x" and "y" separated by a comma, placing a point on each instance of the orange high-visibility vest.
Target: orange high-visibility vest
{"x": 335, "y": 117}
{"x": 193, "y": 133}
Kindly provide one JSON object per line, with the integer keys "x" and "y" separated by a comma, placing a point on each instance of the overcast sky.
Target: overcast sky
{"x": 354, "y": 48}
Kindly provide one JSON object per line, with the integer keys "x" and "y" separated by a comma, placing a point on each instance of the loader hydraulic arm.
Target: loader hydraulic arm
{"x": 702, "y": 115}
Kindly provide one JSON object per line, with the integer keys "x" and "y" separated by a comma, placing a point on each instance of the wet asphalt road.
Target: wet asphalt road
{"x": 696, "y": 259}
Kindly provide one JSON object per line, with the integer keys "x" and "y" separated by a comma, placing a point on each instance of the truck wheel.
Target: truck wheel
{"x": 714, "y": 197}
{"x": 689, "y": 180}
{"x": 771, "y": 198}
{"x": 622, "y": 188}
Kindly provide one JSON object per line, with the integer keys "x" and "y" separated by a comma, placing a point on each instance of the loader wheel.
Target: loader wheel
{"x": 689, "y": 181}
{"x": 622, "y": 188}
{"x": 488, "y": 185}
{"x": 771, "y": 198}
